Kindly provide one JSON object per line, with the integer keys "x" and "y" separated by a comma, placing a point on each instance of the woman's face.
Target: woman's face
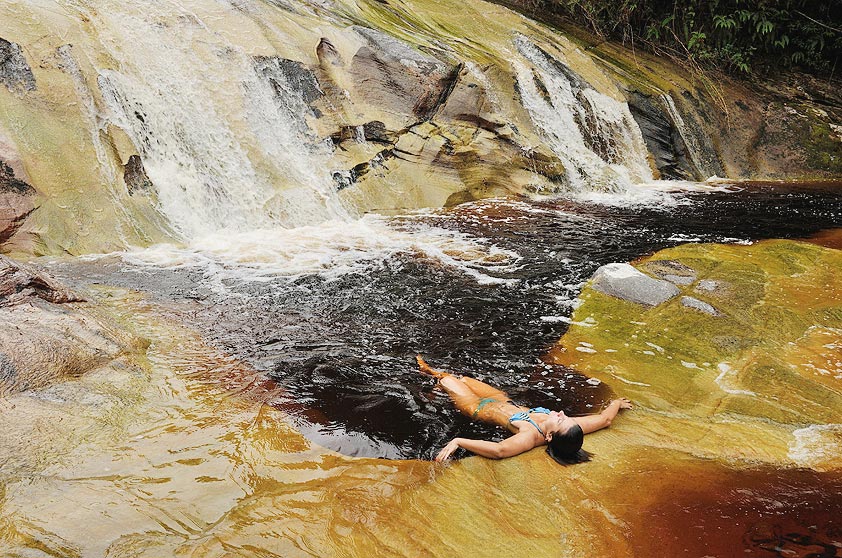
{"x": 557, "y": 422}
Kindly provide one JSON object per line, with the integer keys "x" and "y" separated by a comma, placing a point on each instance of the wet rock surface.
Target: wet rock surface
{"x": 699, "y": 305}
{"x": 736, "y": 351}
{"x": 661, "y": 137}
{"x": 284, "y": 74}
{"x": 43, "y": 338}
{"x": 17, "y": 201}
{"x": 15, "y": 72}
{"x": 135, "y": 176}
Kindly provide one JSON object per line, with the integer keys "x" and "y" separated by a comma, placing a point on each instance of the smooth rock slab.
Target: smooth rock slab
{"x": 623, "y": 281}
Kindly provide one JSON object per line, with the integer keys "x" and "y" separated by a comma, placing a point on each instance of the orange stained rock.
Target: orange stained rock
{"x": 688, "y": 507}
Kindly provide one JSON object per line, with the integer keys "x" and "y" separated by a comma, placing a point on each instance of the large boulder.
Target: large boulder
{"x": 43, "y": 338}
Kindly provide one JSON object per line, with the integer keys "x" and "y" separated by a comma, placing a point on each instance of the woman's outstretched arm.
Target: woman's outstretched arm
{"x": 592, "y": 423}
{"x": 511, "y": 446}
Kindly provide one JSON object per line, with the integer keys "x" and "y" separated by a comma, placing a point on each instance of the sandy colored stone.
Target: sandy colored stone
{"x": 44, "y": 338}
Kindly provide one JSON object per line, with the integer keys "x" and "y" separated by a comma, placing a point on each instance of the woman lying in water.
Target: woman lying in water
{"x": 531, "y": 427}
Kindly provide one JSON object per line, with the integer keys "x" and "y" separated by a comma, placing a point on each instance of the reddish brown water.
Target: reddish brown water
{"x": 703, "y": 509}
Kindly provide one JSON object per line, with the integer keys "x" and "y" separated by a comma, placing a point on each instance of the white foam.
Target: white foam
{"x": 555, "y": 319}
{"x": 636, "y": 195}
{"x": 573, "y": 118}
{"x": 725, "y": 371}
{"x": 331, "y": 249}
{"x": 816, "y": 445}
{"x": 564, "y": 319}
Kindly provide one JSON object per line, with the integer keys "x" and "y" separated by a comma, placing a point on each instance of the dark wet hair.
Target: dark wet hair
{"x": 567, "y": 448}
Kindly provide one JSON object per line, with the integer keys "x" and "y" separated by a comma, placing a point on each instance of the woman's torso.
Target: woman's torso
{"x": 500, "y": 413}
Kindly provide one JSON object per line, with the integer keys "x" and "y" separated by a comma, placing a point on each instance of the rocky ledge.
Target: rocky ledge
{"x": 17, "y": 201}
{"x": 47, "y": 334}
{"x": 733, "y": 348}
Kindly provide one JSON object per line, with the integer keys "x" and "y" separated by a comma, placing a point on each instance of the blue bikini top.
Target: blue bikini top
{"x": 524, "y": 415}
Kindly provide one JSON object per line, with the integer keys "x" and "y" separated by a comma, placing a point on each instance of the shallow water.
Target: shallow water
{"x": 196, "y": 447}
{"x": 492, "y": 295}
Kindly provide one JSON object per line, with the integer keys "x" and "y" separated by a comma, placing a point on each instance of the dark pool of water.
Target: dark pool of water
{"x": 342, "y": 350}
{"x": 707, "y": 509}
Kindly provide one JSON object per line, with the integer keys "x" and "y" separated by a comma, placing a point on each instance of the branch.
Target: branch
{"x": 818, "y": 22}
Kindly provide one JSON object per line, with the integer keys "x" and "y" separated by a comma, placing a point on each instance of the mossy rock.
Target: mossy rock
{"x": 769, "y": 356}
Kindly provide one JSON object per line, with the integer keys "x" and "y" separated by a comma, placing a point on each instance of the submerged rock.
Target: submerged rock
{"x": 699, "y": 305}
{"x": 672, "y": 271}
{"x": 43, "y": 338}
{"x": 627, "y": 283}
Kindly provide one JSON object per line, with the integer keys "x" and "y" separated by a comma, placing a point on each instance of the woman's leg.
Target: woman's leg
{"x": 484, "y": 390}
{"x": 466, "y": 393}
{"x": 462, "y": 396}
{"x": 481, "y": 389}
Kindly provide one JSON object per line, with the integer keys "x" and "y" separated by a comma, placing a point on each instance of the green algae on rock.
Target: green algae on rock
{"x": 766, "y": 358}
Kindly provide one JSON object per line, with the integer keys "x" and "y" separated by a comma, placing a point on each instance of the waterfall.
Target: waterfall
{"x": 95, "y": 123}
{"x": 692, "y": 142}
{"x": 594, "y": 135}
{"x": 224, "y": 149}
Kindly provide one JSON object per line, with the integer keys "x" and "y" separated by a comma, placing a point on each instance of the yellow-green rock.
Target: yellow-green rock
{"x": 743, "y": 382}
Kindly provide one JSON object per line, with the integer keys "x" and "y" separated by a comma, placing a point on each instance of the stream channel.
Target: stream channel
{"x": 487, "y": 296}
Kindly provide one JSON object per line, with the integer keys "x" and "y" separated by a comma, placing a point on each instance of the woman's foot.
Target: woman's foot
{"x": 429, "y": 370}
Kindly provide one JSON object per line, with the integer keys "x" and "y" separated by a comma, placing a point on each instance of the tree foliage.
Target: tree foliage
{"x": 735, "y": 35}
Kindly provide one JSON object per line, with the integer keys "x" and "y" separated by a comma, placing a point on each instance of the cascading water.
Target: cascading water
{"x": 594, "y": 135}
{"x": 282, "y": 311}
{"x": 215, "y": 138}
{"x": 693, "y": 143}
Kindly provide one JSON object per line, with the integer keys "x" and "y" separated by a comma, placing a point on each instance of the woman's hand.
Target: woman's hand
{"x": 624, "y": 403}
{"x": 448, "y": 450}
